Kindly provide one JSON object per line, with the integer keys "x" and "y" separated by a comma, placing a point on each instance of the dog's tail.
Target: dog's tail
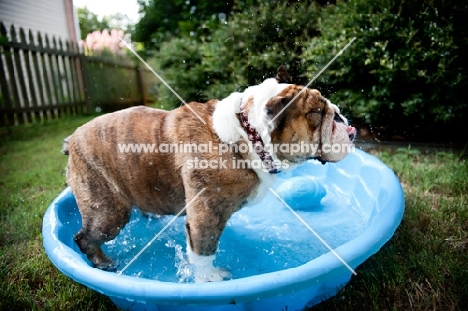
{"x": 65, "y": 147}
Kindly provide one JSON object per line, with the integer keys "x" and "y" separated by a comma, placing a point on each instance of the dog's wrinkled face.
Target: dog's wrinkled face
{"x": 310, "y": 120}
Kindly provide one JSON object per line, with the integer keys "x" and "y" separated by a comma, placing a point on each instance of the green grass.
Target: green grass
{"x": 32, "y": 174}
{"x": 424, "y": 266}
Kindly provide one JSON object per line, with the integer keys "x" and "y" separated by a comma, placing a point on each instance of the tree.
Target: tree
{"x": 406, "y": 66}
{"x": 163, "y": 20}
{"x": 119, "y": 21}
{"x": 244, "y": 51}
{"x": 405, "y": 71}
{"x": 90, "y": 22}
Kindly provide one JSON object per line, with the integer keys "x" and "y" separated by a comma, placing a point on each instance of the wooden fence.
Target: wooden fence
{"x": 43, "y": 78}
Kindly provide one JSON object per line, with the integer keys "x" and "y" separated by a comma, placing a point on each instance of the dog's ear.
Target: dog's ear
{"x": 282, "y": 75}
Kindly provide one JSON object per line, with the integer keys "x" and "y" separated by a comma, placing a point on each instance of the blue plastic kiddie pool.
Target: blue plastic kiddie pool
{"x": 277, "y": 261}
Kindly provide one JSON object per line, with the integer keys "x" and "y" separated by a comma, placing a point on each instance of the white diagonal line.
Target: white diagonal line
{"x": 162, "y": 80}
{"x": 160, "y": 232}
{"x": 313, "y": 231}
{"x": 313, "y": 79}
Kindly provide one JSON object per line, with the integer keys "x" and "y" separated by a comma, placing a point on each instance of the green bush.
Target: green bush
{"x": 179, "y": 63}
{"x": 405, "y": 67}
{"x": 405, "y": 64}
{"x": 244, "y": 51}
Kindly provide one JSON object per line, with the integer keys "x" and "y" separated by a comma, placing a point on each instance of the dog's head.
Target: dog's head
{"x": 300, "y": 116}
{"x": 297, "y": 122}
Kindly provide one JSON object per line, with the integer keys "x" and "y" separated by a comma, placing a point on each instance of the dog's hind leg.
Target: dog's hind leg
{"x": 102, "y": 220}
{"x": 93, "y": 251}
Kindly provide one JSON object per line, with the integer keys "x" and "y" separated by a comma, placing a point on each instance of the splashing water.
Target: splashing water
{"x": 260, "y": 238}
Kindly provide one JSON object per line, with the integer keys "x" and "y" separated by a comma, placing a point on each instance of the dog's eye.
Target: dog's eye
{"x": 316, "y": 110}
{"x": 270, "y": 112}
{"x": 338, "y": 118}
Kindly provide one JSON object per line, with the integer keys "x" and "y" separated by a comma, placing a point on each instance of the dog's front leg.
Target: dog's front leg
{"x": 204, "y": 270}
{"x": 203, "y": 229}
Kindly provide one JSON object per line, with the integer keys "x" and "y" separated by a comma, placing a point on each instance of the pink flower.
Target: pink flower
{"x": 97, "y": 42}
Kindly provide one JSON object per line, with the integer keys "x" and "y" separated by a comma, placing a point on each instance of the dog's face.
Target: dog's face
{"x": 302, "y": 117}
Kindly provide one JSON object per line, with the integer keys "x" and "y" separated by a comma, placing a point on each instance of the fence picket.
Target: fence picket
{"x": 45, "y": 78}
{"x": 70, "y": 81}
{"x": 31, "y": 103}
{"x": 9, "y": 56}
{"x": 64, "y": 80}
{"x": 58, "y": 79}
{"x": 24, "y": 101}
{"x": 6, "y": 104}
{"x": 52, "y": 76}
{"x": 37, "y": 78}
{"x": 79, "y": 78}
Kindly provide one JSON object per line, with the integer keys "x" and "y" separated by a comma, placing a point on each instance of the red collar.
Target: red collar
{"x": 258, "y": 144}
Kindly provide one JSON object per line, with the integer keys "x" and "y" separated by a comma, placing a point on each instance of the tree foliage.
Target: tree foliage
{"x": 163, "y": 20}
{"x": 405, "y": 69}
{"x": 406, "y": 64}
{"x": 90, "y": 22}
{"x": 244, "y": 51}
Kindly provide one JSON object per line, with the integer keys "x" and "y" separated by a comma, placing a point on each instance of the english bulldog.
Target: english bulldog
{"x": 107, "y": 181}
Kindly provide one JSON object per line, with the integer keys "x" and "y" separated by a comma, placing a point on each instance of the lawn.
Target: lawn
{"x": 424, "y": 266}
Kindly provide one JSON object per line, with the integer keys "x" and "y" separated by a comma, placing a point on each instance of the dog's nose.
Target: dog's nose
{"x": 351, "y": 132}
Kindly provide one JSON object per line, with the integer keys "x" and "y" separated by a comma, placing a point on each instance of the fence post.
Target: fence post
{"x": 83, "y": 64}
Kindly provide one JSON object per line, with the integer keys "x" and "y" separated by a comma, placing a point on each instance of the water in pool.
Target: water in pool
{"x": 251, "y": 244}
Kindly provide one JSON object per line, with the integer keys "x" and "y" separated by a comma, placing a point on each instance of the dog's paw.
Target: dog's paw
{"x": 210, "y": 274}
{"x": 107, "y": 265}
{"x": 203, "y": 269}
